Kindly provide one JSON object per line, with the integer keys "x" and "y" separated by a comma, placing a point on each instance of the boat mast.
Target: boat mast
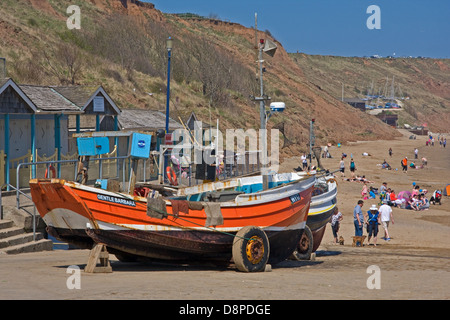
{"x": 269, "y": 48}
{"x": 262, "y": 111}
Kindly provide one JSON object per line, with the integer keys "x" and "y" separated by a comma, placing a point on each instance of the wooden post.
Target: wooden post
{"x": 57, "y": 120}
{"x": 33, "y": 145}
{"x": 98, "y": 252}
{"x": 7, "y": 151}
{"x": 133, "y": 172}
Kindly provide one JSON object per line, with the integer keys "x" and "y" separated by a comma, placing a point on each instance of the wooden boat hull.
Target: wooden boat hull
{"x": 121, "y": 222}
{"x": 320, "y": 226}
{"x": 66, "y": 221}
{"x": 189, "y": 245}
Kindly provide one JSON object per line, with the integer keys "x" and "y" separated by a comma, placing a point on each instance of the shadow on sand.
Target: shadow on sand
{"x": 158, "y": 266}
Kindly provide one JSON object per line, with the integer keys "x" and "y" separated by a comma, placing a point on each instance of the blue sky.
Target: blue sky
{"x": 337, "y": 27}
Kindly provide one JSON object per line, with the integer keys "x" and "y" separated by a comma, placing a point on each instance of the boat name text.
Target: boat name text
{"x": 116, "y": 200}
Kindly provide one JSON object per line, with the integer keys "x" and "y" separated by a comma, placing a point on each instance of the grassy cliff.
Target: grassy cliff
{"x": 121, "y": 45}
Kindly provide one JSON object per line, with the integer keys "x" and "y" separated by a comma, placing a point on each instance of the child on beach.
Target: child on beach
{"x": 336, "y": 219}
{"x": 364, "y": 192}
{"x": 372, "y": 192}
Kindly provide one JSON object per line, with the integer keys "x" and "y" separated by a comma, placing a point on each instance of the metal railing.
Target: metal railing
{"x": 19, "y": 166}
{"x": 231, "y": 164}
{"x": 18, "y": 191}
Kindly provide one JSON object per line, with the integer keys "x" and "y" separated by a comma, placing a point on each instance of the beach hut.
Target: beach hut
{"x": 35, "y": 123}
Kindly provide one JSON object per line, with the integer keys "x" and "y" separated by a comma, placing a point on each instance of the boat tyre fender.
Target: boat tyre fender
{"x": 52, "y": 169}
{"x": 304, "y": 247}
{"x": 250, "y": 249}
{"x": 331, "y": 180}
{"x": 171, "y": 176}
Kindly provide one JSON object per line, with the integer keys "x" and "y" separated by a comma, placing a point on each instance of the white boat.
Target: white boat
{"x": 323, "y": 205}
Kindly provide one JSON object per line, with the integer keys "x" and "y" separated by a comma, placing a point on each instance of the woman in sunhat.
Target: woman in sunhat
{"x": 373, "y": 220}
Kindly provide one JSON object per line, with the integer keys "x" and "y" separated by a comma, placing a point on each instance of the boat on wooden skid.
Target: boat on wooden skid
{"x": 226, "y": 221}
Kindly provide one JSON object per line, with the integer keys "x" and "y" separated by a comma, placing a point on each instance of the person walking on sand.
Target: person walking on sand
{"x": 390, "y": 152}
{"x": 358, "y": 219}
{"x": 352, "y": 168}
{"x": 342, "y": 167}
{"x": 336, "y": 219}
{"x": 416, "y": 153}
{"x": 386, "y": 217}
{"x": 373, "y": 219}
{"x": 304, "y": 162}
{"x": 404, "y": 163}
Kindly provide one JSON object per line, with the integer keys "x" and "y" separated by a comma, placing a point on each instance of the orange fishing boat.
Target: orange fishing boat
{"x": 221, "y": 221}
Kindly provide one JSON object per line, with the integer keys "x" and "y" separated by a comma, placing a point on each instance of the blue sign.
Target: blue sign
{"x": 92, "y": 146}
{"x": 141, "y": 144}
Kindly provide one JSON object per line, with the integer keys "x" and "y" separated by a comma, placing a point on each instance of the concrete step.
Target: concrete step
{"x": 34, "y": 246}
{"x": 19, "y": 239}
{"x": 23, "y": 218}
{"x": 10, "y": 232}
{"x": 5, "y": 224}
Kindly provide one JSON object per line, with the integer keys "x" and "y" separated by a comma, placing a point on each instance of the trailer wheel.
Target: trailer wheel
{"x": 304, "y": 247}
{"x": 250, "y": 249}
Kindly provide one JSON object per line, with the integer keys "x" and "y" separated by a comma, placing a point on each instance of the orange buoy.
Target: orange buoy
{"x": 171, "y": 176}
{"x": 52, "y": 168}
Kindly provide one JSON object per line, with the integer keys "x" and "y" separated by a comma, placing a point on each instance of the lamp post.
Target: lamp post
{"x": 169, "y": 44}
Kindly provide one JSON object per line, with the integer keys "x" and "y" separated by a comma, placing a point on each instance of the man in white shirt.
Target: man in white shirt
{"x": 386, "y": 216}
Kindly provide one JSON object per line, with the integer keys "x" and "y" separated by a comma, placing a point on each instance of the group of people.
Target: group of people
{"x": 415, "y": 200}
{"x": 372, "y": 219}
{"x": 342, "y": 166}
{"x": 430, "y": 141}
{"x": 412, "y": 164}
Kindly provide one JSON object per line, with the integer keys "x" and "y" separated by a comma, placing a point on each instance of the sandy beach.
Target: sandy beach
{"x": 413, "y": 265}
